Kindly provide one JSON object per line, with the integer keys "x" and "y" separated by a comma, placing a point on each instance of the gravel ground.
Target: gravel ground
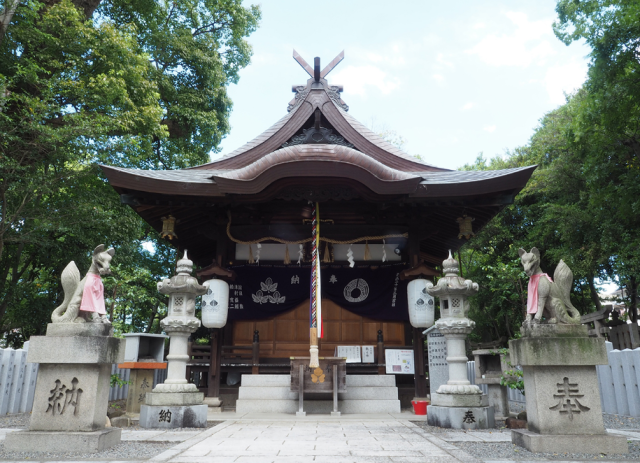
{"x": 130, "y": 450}
{"x": 620, "y": 422}
{"x": 126, "y": 450}
{"x": 505, "y": 450}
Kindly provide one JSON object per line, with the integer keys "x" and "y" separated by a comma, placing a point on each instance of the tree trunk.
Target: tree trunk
{"x": 7, "y": 14}
{"x": 151, "y": 319}
{"x": 594, "y": 293}
{"x": 632, "y": 287}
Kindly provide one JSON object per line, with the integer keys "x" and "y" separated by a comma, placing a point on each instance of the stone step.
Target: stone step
{"x": 317, "y": 406}
{"x": 265, "y": 381}
{"x": 371, "y": 380}
{"x": 353, "y": 393}
{"x": 285, "y": 380}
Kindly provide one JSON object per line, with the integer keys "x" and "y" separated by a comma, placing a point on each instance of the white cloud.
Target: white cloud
{"x": 357, "y": 78}
{"x": 440, "y": 59}
{"x": 468, "y": 106}
{"x": 527, "y": 44}
{"x": 489, "y": 128}
{"x": 438, "y": 77}
{"x": 564, "y": 79}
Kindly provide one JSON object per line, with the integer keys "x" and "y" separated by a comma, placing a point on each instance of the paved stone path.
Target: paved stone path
{"x": 314, "y": 441}
{"x": 279, "y": 440}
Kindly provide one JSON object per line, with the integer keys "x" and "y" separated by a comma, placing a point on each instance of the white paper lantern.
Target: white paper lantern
{"x": 421, "y": 304}
{"x": 215, "y": 304}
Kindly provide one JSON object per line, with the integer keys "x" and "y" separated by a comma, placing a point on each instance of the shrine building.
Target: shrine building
{"x": 385, "y": 218}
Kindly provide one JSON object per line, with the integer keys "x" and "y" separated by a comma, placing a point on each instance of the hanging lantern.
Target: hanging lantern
{"x": 421, "y": 304}
{"x": 168, "y": 227}
{"x": 466, "y": 229}
{"x": 215, "y": 304}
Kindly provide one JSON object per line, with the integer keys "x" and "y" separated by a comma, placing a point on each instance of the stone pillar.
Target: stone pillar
{"x": 72, "y": 391}
{"x": 457, "y": 404}
{"x": 176, "y": 403}
{"x": 562, "y": 392}
{"x": 489, "y": 367}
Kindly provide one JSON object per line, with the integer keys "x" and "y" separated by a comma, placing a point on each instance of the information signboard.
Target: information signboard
{"x": 399, "y": 362}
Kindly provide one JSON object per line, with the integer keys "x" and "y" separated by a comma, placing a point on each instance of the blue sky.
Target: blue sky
{"x": 454, "y": 79}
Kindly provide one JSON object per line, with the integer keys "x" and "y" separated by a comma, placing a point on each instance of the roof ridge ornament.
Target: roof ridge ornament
{"x": 317, "y": 80}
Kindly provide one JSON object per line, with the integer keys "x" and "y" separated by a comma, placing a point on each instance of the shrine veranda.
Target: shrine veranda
{"x": 385, "y": 218}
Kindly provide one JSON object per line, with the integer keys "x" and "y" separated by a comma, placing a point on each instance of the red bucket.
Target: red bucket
{"x": 419, "y": 407}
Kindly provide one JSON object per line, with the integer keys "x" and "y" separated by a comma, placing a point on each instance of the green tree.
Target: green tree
{"x": 606, "y": 125}
{"x": 77, "y": 90}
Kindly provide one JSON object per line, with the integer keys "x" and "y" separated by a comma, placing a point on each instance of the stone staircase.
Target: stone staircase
{"x": 272, "y": 394}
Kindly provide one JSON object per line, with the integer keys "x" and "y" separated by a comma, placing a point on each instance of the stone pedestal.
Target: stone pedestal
{"x": 563, "y": 397}
{"x": 72, "y": 391}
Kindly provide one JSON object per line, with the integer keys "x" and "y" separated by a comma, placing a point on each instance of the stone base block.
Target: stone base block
{"x": 461, "y": 417}
{"x": 569, "y": 443}
{"x": 121, "y": 422}
{"x": 213, "y": 402}
{"x": 75, "y": 350}
{"x": 174, "y": 398}
{"x": 459, "y": 400}
{"x": 173, "y": 416}
{"x": 70, "y": 397}
{"x": 79, "y": 329}
{"x": 60, "y": 441}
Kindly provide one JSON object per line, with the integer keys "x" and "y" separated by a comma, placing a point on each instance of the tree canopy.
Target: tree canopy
{"x": 128, "y": 83}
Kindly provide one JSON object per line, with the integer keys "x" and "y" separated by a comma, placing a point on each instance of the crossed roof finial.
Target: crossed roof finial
{"x": 315, "y": 70}
{"x": 317, "y": 81}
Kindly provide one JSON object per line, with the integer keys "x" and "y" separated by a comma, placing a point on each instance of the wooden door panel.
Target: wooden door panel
{"x": 370, "y": 332}
{"x": 287, "y": 334}
{"x": 393, "y": 333}
{"x": 351, "y": 332}
{"x": 285, "y": 330}
{"x": 331, "y": 331}
{"x": 265, "y": 329}
{"x": 330, "y": 311}
{"x": 302, "y": 331}
{"x": 242, "y": 332}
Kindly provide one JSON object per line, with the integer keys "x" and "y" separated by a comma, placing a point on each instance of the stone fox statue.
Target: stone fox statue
{"x": 545, "y": 296}
{"x": 84, "y": 299}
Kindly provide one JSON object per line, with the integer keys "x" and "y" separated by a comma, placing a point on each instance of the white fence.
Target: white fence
{"x": 18, "y": 381}
{"x": 619, "y": 381}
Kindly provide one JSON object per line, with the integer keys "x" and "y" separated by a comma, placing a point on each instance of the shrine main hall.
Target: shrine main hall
{"x": 385, "y": 218}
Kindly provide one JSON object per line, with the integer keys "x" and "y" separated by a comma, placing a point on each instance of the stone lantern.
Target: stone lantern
{"x": 457, "y": 404}
{"x": 168, "y": 404}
